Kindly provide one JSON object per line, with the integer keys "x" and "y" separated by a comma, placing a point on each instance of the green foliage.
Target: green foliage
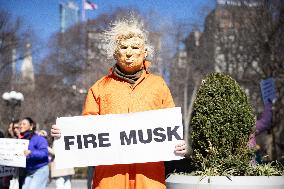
{"x": 221, "y": 124}
{"x": 269, "y": 169}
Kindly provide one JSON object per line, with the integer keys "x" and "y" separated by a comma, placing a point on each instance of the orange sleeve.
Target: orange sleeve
{"x": 91, "y": 106}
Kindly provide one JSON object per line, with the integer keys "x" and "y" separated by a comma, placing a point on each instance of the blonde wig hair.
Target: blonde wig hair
{"x": 125, "y": 29}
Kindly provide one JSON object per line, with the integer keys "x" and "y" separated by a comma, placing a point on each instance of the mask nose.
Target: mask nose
{"x": 129, "y": 52}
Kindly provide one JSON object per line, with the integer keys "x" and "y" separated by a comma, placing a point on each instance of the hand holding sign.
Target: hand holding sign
{"x": 27, "y": 152}
{"x": 181, "y": 149}
{"x": 55, "y": 132}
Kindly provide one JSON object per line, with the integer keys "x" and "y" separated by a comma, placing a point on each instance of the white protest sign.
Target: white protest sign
{"x": 140, "y": 137}
{"x": 12, "y": 152}
{"x": 268, "y": 90}
{"x": 7, "y": 171}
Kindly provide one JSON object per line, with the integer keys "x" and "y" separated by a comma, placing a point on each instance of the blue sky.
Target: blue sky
{"x": 43, "y": 15}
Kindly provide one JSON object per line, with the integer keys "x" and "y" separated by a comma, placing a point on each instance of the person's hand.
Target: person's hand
{"x": 55, "y": 132}
{"x": 27, "y": 152}
{"x": 181, "y": 149}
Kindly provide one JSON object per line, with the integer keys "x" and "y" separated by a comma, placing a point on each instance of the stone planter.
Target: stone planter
{"x": 223, "y": 182}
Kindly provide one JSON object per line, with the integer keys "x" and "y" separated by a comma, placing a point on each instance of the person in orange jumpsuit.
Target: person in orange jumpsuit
{"x": 129, "y": 87}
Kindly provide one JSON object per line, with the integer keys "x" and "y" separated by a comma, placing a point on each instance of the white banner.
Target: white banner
{"x": 7, "y": 171}
{"x": 12, "y": 152}
{"x": 140, "y": 137}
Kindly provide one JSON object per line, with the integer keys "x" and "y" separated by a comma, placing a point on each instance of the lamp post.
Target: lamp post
{"x": 13, "y": 99}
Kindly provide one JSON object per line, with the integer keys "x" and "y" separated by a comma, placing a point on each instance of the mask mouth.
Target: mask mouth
{"x": 129, "y": 61}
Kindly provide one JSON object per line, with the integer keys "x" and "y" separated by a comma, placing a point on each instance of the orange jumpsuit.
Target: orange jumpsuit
{"x": 111, "y": 95}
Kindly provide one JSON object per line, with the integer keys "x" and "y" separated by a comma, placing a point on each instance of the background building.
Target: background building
{"x": 27, "y": 69}
{"x": 69, "y": 15}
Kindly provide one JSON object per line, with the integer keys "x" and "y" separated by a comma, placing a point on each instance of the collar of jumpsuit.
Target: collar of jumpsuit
{"x": 131, "y": 78}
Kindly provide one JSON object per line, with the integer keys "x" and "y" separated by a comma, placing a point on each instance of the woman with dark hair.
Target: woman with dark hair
{"x": 13, "y": 130}
{"x": 37, "y": 156}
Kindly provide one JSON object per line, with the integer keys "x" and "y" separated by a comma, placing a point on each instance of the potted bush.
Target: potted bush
{"x": 221, "y": 123}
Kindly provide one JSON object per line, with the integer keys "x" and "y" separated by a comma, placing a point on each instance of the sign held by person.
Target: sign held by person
{"x": 12, "y": 152}
{"x": 140, "y": 137}
{"x": 7, "y": 171}
{"x": 268, "y": 90}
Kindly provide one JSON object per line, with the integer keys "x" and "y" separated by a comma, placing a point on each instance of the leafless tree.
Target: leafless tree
{"x": 14, "y": 35}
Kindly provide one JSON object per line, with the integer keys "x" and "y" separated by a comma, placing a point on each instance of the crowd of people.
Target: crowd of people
{"x": 40, "y": 167}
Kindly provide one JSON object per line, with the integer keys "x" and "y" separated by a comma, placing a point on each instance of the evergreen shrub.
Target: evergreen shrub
{"x": 222, "y": 122}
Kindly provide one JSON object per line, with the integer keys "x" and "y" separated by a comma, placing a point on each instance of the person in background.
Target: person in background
{"x": 50, "y": 151}
{"x": 263, "y": 123}
{"x": 90, "y": 174}
{"x": 37, "y": 171}
{"x": 42, "y": 133}
{"x": 62, "y": 177}
{"x": 10, "y": 133}
{"x": 3, "y": 183}
{"x": 129, "y": 87}
{"x": 13, "y": 130}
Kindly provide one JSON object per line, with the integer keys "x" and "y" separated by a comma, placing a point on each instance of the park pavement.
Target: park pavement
{"x": 75, "y": 184}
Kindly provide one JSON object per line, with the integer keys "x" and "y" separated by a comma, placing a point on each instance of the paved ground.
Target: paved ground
{"x": 76, "y": 184}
